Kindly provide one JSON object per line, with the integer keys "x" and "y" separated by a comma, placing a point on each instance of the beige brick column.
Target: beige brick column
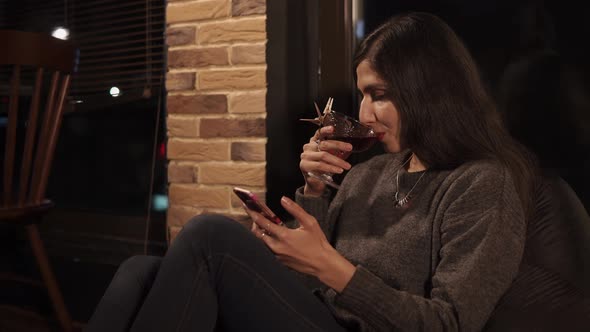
{"x": 216, "y": 84}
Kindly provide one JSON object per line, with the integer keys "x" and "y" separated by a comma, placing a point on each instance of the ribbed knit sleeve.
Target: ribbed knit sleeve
{"x": 481, "y": 231}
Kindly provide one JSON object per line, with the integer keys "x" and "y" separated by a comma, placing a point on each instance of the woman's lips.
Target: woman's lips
{"x": 380, "y": 136}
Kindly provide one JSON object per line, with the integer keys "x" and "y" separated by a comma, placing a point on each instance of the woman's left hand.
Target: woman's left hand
{"x": 304, "y": 249}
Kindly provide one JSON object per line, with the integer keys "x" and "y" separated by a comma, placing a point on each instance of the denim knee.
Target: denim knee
{"x": 211, "y": 229}
{"x": 140, "y": 269}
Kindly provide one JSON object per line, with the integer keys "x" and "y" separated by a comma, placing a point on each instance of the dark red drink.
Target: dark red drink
{"x": 345, "y": 129}
{"x": 359, "y": 144}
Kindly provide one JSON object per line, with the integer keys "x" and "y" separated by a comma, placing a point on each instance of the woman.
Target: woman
{"x": 425, "y": 237}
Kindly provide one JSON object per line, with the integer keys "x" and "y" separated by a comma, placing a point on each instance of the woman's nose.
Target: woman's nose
{"x": 365, "y": 112}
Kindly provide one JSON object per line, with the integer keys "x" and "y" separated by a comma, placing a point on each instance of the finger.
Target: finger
{"x": 331, "y": 145}
{"x": 254, "y": 228}
{"x": 325, "y": 131}
{"x": 310, "y": 165}
{"x": 261, "y": 233}
{"x": 267, "y": 238}
{"x": 315, "y": 136}
{"x": 267, "y": 225}
{"x": 251, "y": 213}
{"x": 322, "y": 132}
{"x": 319, "y": 167}
{"x": 305, "y": 219}
{"x": 311, "y": 146}
{"x": 325, "y": 157}
{"x": 332, "y": 159}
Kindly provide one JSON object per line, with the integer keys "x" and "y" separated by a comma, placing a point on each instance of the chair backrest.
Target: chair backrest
{"x": 558, "y": 235}
{"x": 552, "y": 289}
{"x": 36, "y": 66}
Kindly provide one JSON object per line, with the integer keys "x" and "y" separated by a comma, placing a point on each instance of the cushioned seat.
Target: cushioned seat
{"x": 552, "y": 289}
{"x": 550, "y": 292}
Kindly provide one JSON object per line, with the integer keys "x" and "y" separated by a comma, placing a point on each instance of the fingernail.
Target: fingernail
{"x": 286, "y": 200}
{"x": 340, "y": 170}
{"x": 349, "y": 147}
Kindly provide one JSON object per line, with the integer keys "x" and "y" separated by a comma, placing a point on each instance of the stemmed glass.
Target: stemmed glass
{"x": 346, "y": 129}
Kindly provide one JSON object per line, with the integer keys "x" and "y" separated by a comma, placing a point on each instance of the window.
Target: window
{"x": 121, "y": 44}
{"x": 109, "y": 167}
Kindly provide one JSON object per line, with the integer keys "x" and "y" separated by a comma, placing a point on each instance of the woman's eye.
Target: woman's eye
{"x": 377, "y": 97}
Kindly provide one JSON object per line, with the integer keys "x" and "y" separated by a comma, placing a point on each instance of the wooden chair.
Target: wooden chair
{"x": 31, "y": 136}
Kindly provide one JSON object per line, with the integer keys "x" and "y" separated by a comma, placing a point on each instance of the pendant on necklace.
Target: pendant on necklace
{"x": 403, "y": 201}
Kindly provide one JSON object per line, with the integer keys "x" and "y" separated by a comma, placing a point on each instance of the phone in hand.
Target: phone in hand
{"x": 254, "y": 204}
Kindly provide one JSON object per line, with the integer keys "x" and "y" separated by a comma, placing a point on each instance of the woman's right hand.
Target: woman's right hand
{"x": 315, "y": 158}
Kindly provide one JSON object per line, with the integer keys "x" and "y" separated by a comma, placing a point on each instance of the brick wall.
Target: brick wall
{"x": 216, "y": 105}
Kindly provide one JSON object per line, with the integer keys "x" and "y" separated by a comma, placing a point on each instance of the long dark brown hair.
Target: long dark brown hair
{"x": 447, "y": 116}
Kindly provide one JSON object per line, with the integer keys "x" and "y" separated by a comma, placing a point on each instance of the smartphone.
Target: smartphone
{"x": 254, "y": 204}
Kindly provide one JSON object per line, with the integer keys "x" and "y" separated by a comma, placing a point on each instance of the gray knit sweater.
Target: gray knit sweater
{"x": 440, "y": 262}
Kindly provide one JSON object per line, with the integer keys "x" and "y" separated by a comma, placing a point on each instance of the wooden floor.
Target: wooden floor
{"x": 14, "y": 319}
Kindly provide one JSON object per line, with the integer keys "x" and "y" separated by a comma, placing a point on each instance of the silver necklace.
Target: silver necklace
{"x": 403, "y": 201}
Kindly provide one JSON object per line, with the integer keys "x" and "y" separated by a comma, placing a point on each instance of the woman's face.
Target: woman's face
{"x": 376, "y": 109}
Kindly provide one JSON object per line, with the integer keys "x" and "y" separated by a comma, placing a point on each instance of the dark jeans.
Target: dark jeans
{"x": 215, "y": 276}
